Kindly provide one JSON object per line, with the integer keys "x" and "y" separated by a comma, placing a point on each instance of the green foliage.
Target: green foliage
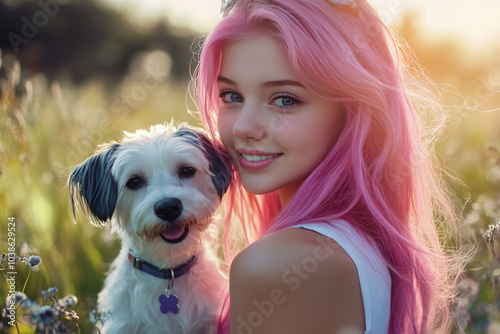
{"x": 46, "y": 128}
{"x": 53, "y": 315}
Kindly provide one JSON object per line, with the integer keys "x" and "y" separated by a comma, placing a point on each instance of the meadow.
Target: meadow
{"x": 49, "y": 123}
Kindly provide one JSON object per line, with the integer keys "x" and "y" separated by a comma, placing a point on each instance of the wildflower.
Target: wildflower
{"x": 98, "y": 318}
{"x": 94, "y": 316}
{"x": 20, "y": 297}
{"x": 47, "y": 318}
{"x": 33, "y": 261}
{"x": 44, "y": 316}
{"x": 68, "y": 301}
{"x": 49, "y": 293}
{"x": 489, "y": 234}
{"x": 72, "y": 315}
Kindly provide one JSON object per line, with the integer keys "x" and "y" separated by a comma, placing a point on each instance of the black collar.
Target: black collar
{"x": 162, "y": 273}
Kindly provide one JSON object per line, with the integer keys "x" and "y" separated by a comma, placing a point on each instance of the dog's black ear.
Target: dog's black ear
{"x": 92, "y": 186}
{"x": 219, "y": 160}
{"x": 220, "y": 165}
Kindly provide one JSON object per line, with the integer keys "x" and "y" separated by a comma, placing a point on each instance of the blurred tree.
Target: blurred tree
{"x": 82, "y": 40}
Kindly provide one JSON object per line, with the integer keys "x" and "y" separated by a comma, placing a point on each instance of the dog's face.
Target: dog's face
{"x": 160, "y": 187}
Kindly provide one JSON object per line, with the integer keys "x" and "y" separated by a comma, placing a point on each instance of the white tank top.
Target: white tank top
{"x": 373, "y": 274}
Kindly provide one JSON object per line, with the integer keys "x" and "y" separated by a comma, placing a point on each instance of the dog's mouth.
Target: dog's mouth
{"x": 176, "y": 233}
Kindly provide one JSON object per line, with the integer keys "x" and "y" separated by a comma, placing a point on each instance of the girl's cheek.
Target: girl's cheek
{"x": 225, "y": 127}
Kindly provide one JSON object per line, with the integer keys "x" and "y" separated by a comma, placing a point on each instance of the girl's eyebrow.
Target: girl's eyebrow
{"x": 273, "y": 83}
{"x": 226, "y": 80}
{"x": 282, "y": 83}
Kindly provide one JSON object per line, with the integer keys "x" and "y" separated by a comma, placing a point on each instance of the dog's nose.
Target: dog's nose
{"x": 168, "y": 209}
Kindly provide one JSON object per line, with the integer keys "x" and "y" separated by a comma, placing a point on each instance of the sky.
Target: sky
{"x": 475, "y": 22}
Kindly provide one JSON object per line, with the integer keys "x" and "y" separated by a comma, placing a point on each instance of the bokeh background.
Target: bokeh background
{"x": 75, "y": 74}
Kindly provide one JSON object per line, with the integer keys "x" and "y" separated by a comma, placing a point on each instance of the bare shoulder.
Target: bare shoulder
{"x": 294, "y": 281}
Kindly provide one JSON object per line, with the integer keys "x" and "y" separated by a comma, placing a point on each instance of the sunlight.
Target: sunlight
{"x": 198, "y": 15}
{"x": 476, "y": 23}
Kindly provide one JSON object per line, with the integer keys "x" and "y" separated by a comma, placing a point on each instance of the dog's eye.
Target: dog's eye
{"x": 135, "y": 183}
{"x": 186, "y": 172}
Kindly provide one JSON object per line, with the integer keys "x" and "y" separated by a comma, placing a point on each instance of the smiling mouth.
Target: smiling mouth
{"x": 174, "y": 234}
{"x": 259, "y": 157}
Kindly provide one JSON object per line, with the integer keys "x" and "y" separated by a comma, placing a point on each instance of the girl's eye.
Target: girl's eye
{"x": 285, "y": 101}
{"x": 229, "y": 97}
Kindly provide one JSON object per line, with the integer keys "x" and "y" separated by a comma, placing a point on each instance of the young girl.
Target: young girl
{"x": 334, "y": 185}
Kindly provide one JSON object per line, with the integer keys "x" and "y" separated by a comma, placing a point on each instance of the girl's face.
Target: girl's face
{"x": 276, "y": 131}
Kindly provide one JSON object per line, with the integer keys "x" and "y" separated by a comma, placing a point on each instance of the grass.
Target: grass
{"x": 46, "y": 128}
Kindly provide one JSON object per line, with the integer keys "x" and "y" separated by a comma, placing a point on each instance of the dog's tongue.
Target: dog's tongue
{"x": 173, "y": 232}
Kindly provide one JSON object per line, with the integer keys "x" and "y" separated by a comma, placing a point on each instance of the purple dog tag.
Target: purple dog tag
{"x": 169, "y": 304}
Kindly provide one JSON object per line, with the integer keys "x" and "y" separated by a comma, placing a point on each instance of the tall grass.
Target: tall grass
{"x": 46, "y": 128}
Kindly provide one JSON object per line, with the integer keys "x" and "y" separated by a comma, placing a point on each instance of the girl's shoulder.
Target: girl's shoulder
{"x": 307, "y": 245}
{"x": 286, "y": 247}
{"x": 297, "y": 274}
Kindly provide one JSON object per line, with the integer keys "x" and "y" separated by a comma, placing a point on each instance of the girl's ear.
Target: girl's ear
{"x": 92, "y": 186}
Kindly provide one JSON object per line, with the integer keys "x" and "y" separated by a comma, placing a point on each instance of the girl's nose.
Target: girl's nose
{"x": 250, "y": 124}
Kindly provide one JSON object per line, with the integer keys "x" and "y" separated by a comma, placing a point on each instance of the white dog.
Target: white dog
{"x": 160, "y": 189}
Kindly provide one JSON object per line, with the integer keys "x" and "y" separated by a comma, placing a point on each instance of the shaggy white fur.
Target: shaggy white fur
{"x": 159, "y": 189}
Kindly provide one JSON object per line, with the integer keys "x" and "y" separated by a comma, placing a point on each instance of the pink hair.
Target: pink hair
{"x": 379, "y": 176}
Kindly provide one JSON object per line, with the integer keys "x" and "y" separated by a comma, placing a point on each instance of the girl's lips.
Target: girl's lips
{"x": 257, "y": 160}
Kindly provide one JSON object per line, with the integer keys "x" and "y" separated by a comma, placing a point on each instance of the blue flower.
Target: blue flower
{"x": 20, "y": 297}
{"x": 33, "y": 261}
{"x": 68, "y": 301}
{"x": 44, "y": 316}
{"x": 49, "y": 293}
